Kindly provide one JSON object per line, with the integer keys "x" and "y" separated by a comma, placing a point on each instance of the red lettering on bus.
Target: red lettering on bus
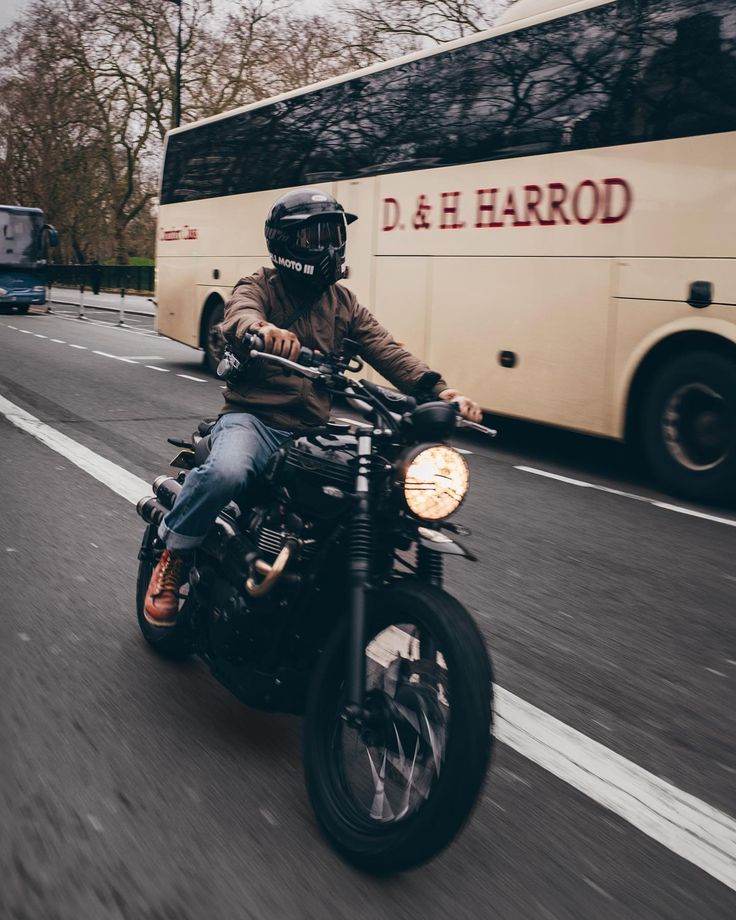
{"x": 450, "y": 201}
{"x": 594, "y": 202}
{"x": 510, "y": 210}
{"x": 390, "y": 220}
{"x": 558, "y": 196}
{"x": 420, "y": 221}
{"x": 532, "y": 200}
{"x": 487, "y": 207}
{"x": 609, "y": 217}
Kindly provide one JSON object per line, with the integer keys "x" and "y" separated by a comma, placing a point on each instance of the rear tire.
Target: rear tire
{"x": 411, "y": 840}
{"x": 688, "y": 426}
{"x": 173, "y": 642}
{"x": 214, "y": 341}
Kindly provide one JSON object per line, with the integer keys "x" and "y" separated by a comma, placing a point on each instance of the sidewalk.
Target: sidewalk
{"x": 134, "y": 303}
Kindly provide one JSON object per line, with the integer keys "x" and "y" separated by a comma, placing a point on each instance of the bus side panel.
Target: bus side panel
{"x": 176, "y": 307}
{"x": 482, "y": 307}
{"x": 401, "y": 298}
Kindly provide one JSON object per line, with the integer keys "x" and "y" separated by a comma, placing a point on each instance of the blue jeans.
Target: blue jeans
{"x": 240, "y": 449}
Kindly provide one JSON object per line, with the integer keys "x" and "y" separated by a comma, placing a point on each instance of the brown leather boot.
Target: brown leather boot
{"x": 162, "y": 597}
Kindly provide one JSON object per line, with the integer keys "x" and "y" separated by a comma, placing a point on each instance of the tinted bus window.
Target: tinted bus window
{"x": 623, "y": 73}
{"x": 20, "y": 237}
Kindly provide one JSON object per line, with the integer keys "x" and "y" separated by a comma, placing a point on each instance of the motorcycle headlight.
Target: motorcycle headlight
{"x": 434, "y": 481}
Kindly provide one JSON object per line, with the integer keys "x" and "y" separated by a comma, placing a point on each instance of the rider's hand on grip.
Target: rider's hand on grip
{"x": 279, "y": 342}
{"x": 258, "y": 341}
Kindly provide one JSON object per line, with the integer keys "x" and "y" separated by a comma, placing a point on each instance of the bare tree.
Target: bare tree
{"x": 382, "y": 29}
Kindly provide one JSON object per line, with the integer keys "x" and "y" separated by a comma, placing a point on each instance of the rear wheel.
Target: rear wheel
{"x": 214, "y": 341}
{"x": 391, "y": 794}
{"x": 170, "y": 641}
{"x": 688, "y": 426}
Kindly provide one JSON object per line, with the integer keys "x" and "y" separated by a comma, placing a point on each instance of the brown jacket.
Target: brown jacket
{"x": 285, "y": 400}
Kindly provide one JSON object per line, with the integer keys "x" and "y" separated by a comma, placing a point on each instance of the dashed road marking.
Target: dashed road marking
{"x": 189, "y": 377}
{"x": 666, "y": 506}
{"x": 58, "y": 341}
{"x": 39, "y": 336}
{"x": 82, "y": 347}
{"x": 164, "y": 370}
{"x": 106, "y": 354}
{"x": 679, "y": 821}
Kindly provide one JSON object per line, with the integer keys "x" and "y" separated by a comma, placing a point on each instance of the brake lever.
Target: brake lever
{"x": 312, "y": 372}
{"x": 464, "y": 423}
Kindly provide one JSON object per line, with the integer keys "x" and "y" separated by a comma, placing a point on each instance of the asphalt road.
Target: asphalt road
{"x": 134, "y": 788}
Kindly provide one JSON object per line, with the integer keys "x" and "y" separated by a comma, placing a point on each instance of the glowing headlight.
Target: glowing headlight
{"x": 435, "y": 482}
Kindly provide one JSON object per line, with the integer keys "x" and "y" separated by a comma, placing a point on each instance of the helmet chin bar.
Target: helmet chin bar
{"x": 317, "y": 275}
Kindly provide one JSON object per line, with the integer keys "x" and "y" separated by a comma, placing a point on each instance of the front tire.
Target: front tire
{"x": 382, "y": 830}
{"x": 171, "y": 641}
{"x": 688, "y": 426}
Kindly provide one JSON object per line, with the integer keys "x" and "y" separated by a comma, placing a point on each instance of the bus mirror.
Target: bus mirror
{"x": 51, "y": 234}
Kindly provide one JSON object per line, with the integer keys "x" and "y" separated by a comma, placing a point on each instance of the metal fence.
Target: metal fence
{"x": 103, "y": 277}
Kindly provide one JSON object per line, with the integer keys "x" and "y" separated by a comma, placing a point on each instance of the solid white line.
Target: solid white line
{"x": 187, "y": 377}
{"x": 164, "y": 370}
{"x": 83, "y": 347}
{"x": 110, "y": 474}
{"x": 684, "y": 824}
{"x": 114, "y": 357}
{"x": 58, "y": 341}
{"x": 632, "y": 495}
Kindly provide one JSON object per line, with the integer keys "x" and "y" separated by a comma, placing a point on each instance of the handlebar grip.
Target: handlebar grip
{"x": 254, "y": 342}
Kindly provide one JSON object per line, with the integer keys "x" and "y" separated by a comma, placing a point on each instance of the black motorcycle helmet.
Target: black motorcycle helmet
{"x": 306, "y": 232}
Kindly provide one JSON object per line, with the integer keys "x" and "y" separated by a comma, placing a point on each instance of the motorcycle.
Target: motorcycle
{"x": 319, "y": 592}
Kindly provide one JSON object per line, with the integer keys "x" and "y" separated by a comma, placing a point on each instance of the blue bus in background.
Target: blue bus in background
{"x": 24, "y": 238}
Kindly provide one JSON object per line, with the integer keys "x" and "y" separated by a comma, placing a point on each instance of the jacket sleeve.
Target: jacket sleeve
{"x": 406, "y": 372}
{"x": 245, "y": 311}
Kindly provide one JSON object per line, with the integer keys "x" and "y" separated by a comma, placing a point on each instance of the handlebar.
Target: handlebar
{"x": 315, "y": 365}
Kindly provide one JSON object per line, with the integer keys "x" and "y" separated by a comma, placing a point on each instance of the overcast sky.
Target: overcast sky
{"x": 9, "y": 9}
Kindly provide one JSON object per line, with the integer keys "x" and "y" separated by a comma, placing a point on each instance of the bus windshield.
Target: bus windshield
{"x": 20, "y": 236}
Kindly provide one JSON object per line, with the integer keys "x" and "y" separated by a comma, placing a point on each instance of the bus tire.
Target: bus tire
{"x": 213, "y": 340}
{"x": 688, "y": 426}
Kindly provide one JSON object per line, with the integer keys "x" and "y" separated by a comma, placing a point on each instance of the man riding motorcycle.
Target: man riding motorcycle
{"x": 299, "y": 302}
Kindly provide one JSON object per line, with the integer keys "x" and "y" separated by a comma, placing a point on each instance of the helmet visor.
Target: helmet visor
{"x": 319, "y": 234}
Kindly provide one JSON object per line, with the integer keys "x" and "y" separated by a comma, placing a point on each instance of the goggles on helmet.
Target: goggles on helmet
{"x": 318, "y": 235}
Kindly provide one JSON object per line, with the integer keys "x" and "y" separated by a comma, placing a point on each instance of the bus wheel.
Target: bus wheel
{"x": 688, "y": 426}
{"x": 214, "y": 341}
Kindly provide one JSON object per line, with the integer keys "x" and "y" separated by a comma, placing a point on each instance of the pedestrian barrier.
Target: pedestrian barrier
{"x": 95, "y": 277}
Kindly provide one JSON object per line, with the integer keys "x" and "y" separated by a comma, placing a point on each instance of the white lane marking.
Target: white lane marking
{"x": 39, "y": 336}
{"x": 83, "y": 347}
{"x": 639, "y": 498}
{"x": 164, "y": 370}
{"x": 462, "y": 450}
{"x": 25, "y": 331}
{"x": 58, "y": 341}
{"x": 684, "y": 824}
{"x": 12, "y": 327}
{"x": 188, "y": 377}
{"x": 144, "y": 357}
{"x": 113, "y": 476}
{"x": 679, "y": 821}
{"x": 114, "y": 357}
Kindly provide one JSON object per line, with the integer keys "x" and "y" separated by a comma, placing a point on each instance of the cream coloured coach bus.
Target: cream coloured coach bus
{"x": 547, "y": 215}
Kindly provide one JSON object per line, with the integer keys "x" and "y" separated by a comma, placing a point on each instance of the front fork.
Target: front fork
{"x": 360, "y": 556}
{"x": 359, "y": 577}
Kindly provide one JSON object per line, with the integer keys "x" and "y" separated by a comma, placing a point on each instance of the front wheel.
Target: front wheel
{"x": 391, "y": 794}
{"x": 688, "y": 426}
